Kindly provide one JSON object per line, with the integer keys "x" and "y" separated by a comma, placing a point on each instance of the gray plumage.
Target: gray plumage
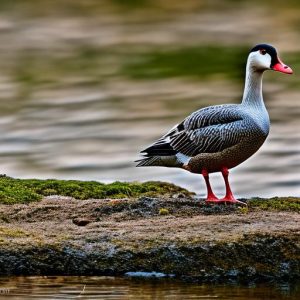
{"x": 217, "y": 136}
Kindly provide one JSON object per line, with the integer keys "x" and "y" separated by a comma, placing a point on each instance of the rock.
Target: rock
{"x": 179, "y": 236}
{"x": 81, "y": 221}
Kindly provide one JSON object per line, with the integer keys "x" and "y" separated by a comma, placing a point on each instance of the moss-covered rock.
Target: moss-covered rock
{"x": 276, "y": 203}
{"x": 132, "y": 230}
{"x": 27, "y": 190}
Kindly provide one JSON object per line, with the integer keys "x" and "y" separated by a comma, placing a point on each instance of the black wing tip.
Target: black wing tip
{"x": 159, "y": 150}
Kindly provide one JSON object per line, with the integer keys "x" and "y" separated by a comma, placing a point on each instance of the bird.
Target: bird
{"x": 218, "y": 138}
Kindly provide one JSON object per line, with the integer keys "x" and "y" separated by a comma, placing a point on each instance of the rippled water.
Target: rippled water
{"x": 123, "y": 288}
{"x": 84, "y": 90}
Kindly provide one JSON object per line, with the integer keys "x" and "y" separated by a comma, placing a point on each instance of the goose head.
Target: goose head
{"x": 264, "y": 57}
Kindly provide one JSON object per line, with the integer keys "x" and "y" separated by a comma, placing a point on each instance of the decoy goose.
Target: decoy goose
{"x": 218, "y": 138}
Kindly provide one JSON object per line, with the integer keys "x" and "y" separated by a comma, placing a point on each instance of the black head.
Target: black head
{"x": 265, "y": 57}
{"x": 264, "y": 49}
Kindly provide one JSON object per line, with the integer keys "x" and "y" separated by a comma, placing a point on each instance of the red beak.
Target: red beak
{"x": 281, "y": 67}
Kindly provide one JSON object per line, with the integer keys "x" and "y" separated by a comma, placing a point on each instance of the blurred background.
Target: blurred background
{"x": 86, "y": 84}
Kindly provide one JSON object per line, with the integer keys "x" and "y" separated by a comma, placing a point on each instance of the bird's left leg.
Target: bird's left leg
{"x": 229, "y": 198}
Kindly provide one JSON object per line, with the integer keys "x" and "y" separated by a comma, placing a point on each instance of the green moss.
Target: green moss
{"x": 27, "y": 190}
{"x": 276, "y": 203}
{"x": 243, "y": 209}
{"x": 12, "y": 233}
{"x": 12, "y": 191}
{"x": 163, "y": 211}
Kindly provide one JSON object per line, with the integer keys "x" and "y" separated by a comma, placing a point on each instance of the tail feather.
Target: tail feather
{"x": 159, "y": 149}
{"x": 172, "y": 161}
{"x": 162, "y": 153}
{"x": 148, "y": 161}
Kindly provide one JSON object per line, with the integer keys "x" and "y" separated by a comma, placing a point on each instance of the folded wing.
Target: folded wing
{"x": 208, "y": 130}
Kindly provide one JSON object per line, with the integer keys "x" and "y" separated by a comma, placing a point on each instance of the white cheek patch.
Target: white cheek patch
{"x": 260, "y": 61}
{"x": 266, "y": 60}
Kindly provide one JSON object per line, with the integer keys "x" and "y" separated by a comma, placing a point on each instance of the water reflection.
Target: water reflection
{"x": 123, "y": 288}
{"x": 84, "y": 90}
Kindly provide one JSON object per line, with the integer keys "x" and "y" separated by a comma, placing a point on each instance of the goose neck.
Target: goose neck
{"x": 253, "y": 88}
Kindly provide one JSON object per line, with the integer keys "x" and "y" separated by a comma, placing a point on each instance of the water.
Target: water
{"x": 126, "y": 288}
{"x": 83, "y": 90}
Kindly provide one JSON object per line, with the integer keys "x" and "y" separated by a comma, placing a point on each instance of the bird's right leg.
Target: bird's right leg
{"x": 211, "y": 197}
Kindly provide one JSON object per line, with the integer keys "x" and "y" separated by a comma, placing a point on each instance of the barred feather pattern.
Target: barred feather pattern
{"x": 209, "y": 130}
{"x": 216, "y": 135}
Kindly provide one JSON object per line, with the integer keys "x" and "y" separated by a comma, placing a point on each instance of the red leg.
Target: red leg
{"x": 211, "y": 197}
{"x": 229, "y": 198}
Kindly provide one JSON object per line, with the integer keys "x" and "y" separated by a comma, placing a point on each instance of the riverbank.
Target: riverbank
{"x": 173, "y": 234}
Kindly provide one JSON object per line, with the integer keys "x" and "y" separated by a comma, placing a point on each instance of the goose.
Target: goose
{"x": 218, "y": 138}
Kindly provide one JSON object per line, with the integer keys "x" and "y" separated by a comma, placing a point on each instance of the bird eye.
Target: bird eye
{"x": 263, "y": 51}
